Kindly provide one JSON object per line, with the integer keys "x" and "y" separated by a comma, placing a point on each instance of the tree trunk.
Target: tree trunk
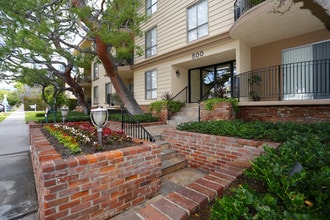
{"x": 78, "y": 92}
{"x": 121, "y": 89}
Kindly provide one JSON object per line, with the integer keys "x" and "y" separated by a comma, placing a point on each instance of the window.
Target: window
{"x": 197, "y": 20}
{"x": 108, "y": 91}
{"x": 151, "y": 7}
{"x": 306, "y": 71}
{"x": 151, "y": 42}
{"x": 95, "y": 70}
{"x": 151, "y": 84}
{"x": 95, "y": 95}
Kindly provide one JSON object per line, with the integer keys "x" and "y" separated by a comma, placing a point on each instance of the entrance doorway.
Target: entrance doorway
{"x": 212, "y": 81}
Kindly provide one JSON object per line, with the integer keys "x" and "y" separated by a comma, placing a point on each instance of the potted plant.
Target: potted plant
{"x": 255, "y": 86}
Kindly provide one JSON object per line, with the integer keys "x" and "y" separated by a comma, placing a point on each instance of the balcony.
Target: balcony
{"x": 259, "y": 22}
{"x": 307, "y": 80}
{"x": 242, "y": 6}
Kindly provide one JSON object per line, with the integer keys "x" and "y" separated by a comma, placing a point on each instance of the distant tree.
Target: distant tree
{"x": 38, "y": 37}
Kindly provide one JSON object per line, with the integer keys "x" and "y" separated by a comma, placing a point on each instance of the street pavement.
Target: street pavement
{"x": 18, "y": 199}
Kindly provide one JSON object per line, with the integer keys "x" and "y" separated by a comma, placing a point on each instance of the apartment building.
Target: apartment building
{"x": 199, "y": 49}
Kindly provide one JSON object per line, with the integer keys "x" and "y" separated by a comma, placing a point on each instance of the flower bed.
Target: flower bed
{"x": 81, "y": 137}
{"x": 93, "y": 186}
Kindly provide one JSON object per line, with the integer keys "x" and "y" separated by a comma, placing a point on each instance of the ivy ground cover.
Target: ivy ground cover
{"x": 81, "y": 138}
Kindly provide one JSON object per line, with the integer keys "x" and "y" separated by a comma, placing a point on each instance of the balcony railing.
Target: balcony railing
{"x": 242, "y": 6}
{"x": 294, "y": 81}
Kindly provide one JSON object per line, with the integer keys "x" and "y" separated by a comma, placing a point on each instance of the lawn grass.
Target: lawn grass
{"x": 32, "y": 115}
{"x": 4, "y": 115}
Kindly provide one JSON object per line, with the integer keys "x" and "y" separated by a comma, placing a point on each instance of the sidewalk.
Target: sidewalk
{"x": 18, "y": 198}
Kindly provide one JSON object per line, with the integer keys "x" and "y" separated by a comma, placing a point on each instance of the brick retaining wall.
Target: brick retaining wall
{"x": 210, "y": 152}
{"x": 94, "y": 186}
{"x": 221, "y": 111}
{"x": 294, "y": 113}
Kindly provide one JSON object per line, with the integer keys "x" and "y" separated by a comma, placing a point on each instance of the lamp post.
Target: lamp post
{"x": 99, "y": 118}
{"x": 64, "y": 113}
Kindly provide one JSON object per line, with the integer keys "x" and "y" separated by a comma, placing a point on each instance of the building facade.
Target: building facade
{"x": 210, "y": 48}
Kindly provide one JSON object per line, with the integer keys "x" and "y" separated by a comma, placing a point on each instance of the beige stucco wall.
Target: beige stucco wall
{"x": 271, "y": 54}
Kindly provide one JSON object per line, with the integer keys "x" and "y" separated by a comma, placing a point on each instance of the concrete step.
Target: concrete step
{"x": 172, "y": 165}
{"x": 167, "y": 154}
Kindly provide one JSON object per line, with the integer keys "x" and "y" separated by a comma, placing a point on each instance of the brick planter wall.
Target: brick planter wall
{"x": 210, "y": 152}
{"x": 300, "y": 114}
{"x": 221, "y": 111}
{"x": 94, "y": 186}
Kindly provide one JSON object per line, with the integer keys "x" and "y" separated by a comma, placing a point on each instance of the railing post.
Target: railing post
{"x": 122, "y": 117}
{"x": 279, "y": 83}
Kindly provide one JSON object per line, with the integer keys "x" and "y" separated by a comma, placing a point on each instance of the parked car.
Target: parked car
{"x": 2, "y": 108}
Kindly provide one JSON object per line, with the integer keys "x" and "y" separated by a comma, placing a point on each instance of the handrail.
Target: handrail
{"x": 177, "y": 96}
{"x": 292, "y": 81}
{"x": 132, "y": 127}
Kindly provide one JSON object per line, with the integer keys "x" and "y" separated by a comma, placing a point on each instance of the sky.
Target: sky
{"x": 6, "y": 86}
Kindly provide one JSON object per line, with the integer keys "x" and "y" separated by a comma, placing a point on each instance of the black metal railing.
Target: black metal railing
{"x": 242, "y": 6}
{"x": 294, "y": 81}
{"x": 181, "y": 96}
{"x": 132, "y": 127}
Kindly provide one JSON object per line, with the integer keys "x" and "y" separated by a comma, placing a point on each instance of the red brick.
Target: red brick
{"x": 200, "y": 199}
{"x": 186, "y": 203}
{"x": 56, "y": 202}
{"x": 209, "y": 193}
{"x": 60, "y": 164}
{"x": 223, "y": 176}
{"x": 68, "y": 205}
{"x": 170, "y": 209}
{"x": 48, "y": 166}
{"x": 229, "y": 172}
{"x": 72, "y": 162}
{"x": 218, "y": 188}
{"x": 91, "y": 158}
{"x": 80, "y": 207}
{"x": 218, "y": 180}
{"x": 150, "y": 213}
{"x": 58, "y": 215}
{"x": 79, "y": 194}
{"x": 82, "y": 160}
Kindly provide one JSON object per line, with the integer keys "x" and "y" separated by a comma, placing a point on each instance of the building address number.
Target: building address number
{"x": 197, "y": 55}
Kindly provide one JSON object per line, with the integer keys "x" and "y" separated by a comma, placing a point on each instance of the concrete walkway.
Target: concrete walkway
{"x": 18, "y": 198}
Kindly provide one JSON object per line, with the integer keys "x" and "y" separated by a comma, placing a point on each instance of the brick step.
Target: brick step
{"x": 172, "y": 165}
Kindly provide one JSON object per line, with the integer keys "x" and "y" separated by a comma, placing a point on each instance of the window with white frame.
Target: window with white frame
{"x": 151, "y": 42}
{"x": 151, "y": 7}
{"x": 95, "y": 95}
{"x": 197, "y": 16}
{"x": 108, "y": 91}
{"x": 95, "y": 70}
{"x": 151, "y": 84}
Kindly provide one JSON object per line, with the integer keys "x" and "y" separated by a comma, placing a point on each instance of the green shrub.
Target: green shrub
{"x": 142, "y": 118}
{"x": 72, "y": 116}
{"x": 300, "y": 195}
{"x": 209, "y": 103}
{"x": 173, "y": 106}
{"x": 156, "y": 106}
{"x": 280, "y": 131}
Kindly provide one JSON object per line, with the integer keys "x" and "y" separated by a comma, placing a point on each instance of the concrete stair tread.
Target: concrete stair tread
{"x": 172, "y": 162}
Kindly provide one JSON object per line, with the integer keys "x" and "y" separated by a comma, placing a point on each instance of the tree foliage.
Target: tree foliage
{"x": 38, "y": 38}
